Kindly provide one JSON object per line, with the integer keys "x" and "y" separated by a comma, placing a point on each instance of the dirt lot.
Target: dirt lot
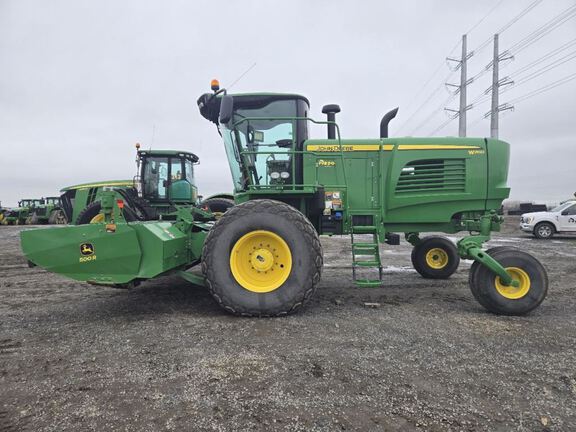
{"x": 165, "y": 357}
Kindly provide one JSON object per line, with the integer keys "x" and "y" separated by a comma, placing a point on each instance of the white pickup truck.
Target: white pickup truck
{"x": 544, "y": 225}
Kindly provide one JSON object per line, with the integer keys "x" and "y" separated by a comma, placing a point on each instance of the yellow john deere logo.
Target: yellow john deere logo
{"x": 87, "y": 252}
{"x": 87, "y": 249}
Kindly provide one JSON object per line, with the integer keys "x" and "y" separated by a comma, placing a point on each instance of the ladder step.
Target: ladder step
{"x": 366, "y": 263}
{"x": 359, "y": 245}
{"x": 367, "y": 282}
{"x": 364, "y": 229}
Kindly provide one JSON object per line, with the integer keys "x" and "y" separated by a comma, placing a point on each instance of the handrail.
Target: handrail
{"x": 295, "y": 119}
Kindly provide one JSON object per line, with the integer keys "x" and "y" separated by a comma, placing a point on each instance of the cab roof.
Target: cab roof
{"x": 108, "y": 183}
{"x": 209, "y": 105}
{"x": 179, "y": 153}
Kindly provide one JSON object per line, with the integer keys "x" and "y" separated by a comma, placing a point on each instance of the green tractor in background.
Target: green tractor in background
{"x": 19, "y": 215}
{"x": 165, "y": 181}
{"x": 47, "y": 211}
{"x": 2, "y": 212}
{"x": 263, "y": 257}
{"x": 35, "y": 211}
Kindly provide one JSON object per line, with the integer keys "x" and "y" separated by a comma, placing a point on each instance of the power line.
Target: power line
{"x": 506, "y": 26}
{"x": 519, "y": 16}
{"x": 417, "y": 95}
{"x": 543, "y": 30}
{"x": 428, "y": 99}
{"x": 434, "y": 112}
{"x": 543, "y": 89}
{"x": 547, "y": 68}
{"x": 483, "y": 97}
{"x": 485, "y": 16}
{"x": 545, "y": 57}
{"x": 443, "y": 125}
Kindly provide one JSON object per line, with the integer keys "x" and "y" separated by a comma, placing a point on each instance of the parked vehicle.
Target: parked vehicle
{"x": 545, "y": 224}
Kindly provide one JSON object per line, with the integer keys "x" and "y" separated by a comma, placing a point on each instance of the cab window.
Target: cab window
{"x": 570, "y": 211}
{"x": 156, "y": 178}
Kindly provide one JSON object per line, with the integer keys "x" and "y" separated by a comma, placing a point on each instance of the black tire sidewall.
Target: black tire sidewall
{"x": 93, "y": 210}
{"x": 291, "y": 226}
{"x": 219, "y": 205}
{"x": 419, "y": 252}
{"x": 483, "y": 282}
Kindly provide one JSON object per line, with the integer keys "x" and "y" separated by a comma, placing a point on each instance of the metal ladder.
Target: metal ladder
{"x": 365, "y": 255}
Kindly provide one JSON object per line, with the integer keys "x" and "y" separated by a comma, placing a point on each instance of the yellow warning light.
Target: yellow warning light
{"x": 137, "y": 146}
{"x": 215, "y": 85}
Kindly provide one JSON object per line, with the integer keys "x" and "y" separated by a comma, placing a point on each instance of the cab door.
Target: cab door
{"x": 567, "y": 219}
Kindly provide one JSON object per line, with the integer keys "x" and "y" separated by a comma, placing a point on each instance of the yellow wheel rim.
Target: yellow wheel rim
{"x": 512, "y": 292}
{"x": 437, "y": 258}
{"x": 99, "y": 218}
{"x": 261, "y": 261}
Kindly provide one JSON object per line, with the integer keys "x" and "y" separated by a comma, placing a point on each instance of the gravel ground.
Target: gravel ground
{"x": 164, "y": 357}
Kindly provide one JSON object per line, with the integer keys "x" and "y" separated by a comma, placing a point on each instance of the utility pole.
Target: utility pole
{"x": 462, "y": 109}
{"x": 496, "y": 84}
{"x": 462, "y": 64}
{"x": 495, "y": 92}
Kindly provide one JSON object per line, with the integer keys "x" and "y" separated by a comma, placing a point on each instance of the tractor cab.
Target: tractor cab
{"x": 30, "y": 203}
{"x": 52, "y": 201}
{"x": 263, "y": 135}
{"x": 167, "y": 176}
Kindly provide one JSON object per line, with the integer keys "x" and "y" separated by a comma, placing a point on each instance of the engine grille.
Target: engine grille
{"x": 442, "y": 175}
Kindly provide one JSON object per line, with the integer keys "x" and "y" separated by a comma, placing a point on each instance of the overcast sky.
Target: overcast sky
{"x": 82, "y": 81}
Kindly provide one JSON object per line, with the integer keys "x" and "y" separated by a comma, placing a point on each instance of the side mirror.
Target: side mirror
{"x": 226, "y": 109}
{"x": 565, "y": 213}
{"x": 284, "y": 143}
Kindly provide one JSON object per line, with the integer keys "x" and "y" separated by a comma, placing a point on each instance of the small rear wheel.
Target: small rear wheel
{"x": 435, "y": 257}
{"x": 544, "y": 230}
{"x": 502, "y": 299}
{"x": 262, "y": 258}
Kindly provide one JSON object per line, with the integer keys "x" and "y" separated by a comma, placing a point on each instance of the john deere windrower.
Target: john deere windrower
{"x": 264, "y": 258}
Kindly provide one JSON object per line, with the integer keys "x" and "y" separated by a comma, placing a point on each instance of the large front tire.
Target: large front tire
{"x": 509, "y": 300}
{"x": 262, "y": 258}
{"x": 435, "y": 257}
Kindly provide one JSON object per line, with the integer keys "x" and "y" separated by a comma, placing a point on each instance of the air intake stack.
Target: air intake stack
{"x": 330, "y": 111}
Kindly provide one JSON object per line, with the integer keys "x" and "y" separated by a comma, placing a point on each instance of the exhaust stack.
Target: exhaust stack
{"x": 385, "y": 120}
{"x": 330, "y": 111}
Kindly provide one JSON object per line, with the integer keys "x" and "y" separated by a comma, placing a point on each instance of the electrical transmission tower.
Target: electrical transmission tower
{"x": 495, "y": 89}
{"x": 461, "y": 111}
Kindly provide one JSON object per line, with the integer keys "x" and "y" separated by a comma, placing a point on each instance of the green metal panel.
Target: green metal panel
{"x": 115, "y": 257}
{"x": 411, "y": 184}
{"x": 163, "y": 247}
{"x": 131, "y": 252}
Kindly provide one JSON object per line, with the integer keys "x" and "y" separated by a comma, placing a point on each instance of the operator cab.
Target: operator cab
{"x": 167, "y": 176}
{"x": 53, "y": 201}
{"x": 30, "y": 202}
{"x": 263, "y": 134}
